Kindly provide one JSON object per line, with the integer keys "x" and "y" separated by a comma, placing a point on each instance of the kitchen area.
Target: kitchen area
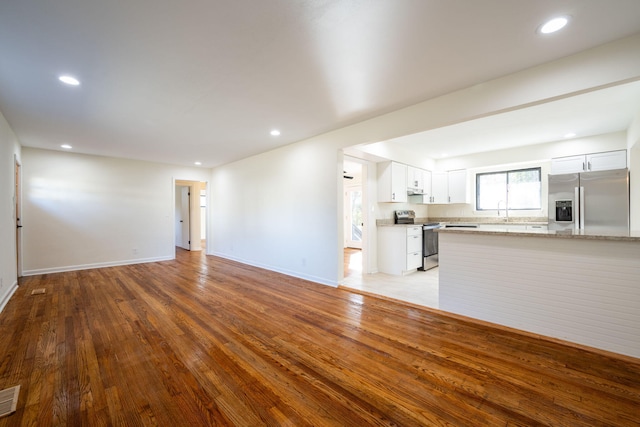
{"x": 562, "y": 264}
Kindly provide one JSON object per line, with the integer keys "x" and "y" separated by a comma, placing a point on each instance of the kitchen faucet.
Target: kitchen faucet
{"x": 506, "y": 210}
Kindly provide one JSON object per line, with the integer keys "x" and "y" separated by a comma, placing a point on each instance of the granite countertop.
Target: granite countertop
{"x": 633, "y": 236}
{"x": 469, "y": 220}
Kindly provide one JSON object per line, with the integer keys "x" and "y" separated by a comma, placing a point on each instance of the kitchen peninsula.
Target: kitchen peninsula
{"x": 576, "y": 286}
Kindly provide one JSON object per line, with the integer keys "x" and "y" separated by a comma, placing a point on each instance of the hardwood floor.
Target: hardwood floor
{"x": 206, "y": 341}
{"x": 352, "y": 261}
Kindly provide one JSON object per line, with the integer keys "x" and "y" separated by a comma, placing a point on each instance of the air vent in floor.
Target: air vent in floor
{"x": 9, "y": 400}
{"x": 38, "y": 291}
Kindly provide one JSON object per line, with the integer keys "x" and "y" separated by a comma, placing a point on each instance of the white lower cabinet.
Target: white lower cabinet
{"x": 399, "y": 249}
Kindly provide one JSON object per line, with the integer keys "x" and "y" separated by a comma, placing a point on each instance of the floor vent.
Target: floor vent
{"x": 9, "y": 400}
{"x": 38, "y": 291}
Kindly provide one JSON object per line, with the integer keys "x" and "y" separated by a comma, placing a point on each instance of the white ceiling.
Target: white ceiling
{"x": 593, "y": 113}
{"x": 177, "y": 82}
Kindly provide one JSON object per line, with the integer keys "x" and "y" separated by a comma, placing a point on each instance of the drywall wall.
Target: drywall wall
{"x": 283, "y": 210}
{"x": 538, "y": 155}
{"x": 633, "y": 142}
{"x": 82, "y": 211}
{"x": 538, "y": 152}
{"x": 278, "y": 210}
{"x": 10, "y": 151}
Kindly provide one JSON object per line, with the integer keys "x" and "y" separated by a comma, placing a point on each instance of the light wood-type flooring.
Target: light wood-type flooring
{"x": 419, "y": 287}
{"x": 206, "y": 341}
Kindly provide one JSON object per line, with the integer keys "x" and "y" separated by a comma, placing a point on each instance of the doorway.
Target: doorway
{"x": 190, "y": 215}
{"x": 353, "y": 217}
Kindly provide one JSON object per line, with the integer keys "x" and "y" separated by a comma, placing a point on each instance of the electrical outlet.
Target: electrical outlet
{"x": 135, "y": 251}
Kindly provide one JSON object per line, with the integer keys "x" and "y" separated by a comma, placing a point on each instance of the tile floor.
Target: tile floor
{"x": 419, "y": 288}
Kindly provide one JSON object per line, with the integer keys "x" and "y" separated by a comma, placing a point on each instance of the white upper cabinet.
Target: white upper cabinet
{"x": 392, "y": 182}
{"x": 449, "y": 187}
{"x": 589, "y": 162}
{"x": 457, "y": 182}
{"x": 440, "y": 187}
{"x": 415, "y": 179}
{"x": 571, "y": 164}
{"x": 427, "y": 192}
{"x": 395, "y": 180}
{"x": 607, "y": 161}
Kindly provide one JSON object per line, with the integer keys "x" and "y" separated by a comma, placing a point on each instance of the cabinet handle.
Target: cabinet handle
{"x": 583, "y": 168}
{"x": 589, "y": 165}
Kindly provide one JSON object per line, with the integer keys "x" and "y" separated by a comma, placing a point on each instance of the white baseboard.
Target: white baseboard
{"x": 7, "y": 297}
{"x": 311, "y": 278}
{"x": 94, "y": 265}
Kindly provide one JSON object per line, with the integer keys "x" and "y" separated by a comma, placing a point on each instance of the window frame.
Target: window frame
{"x": 507, "y": 172}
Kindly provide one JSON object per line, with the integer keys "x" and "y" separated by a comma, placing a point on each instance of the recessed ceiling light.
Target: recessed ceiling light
{"x": 72, "y": 81}
{"x": 553, "y": 25}
{"x": 66, "y": 146}
{"x": 197, "y": 163}
{"x": 569, "y": 135}
{"x": 275, "y": 132}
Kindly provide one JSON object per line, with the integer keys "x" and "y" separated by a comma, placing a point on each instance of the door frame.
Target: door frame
{"x": 368, "y": 185}
{"x": 18, "y": 212}
{"x": 348, "y": 210}
{"x": 194, "y": 216}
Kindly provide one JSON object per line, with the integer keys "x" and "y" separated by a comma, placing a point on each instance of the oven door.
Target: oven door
{"x": 429, "y": 246}
{"x": 429, "y": 242}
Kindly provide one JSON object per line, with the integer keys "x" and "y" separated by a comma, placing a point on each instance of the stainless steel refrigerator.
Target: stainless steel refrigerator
{"x": 591, "y": 201}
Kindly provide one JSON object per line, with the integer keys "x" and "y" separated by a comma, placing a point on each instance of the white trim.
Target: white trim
{"x": 17, "y": 199}
{"x": 94, "y": 265}
{"x": 7, "y": 297}
{"x": 315, "y": 279}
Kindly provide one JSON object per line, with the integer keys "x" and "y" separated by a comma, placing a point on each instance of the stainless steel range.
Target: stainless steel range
{"x": 404, "y": 217}
{"x": 429, "y": 238}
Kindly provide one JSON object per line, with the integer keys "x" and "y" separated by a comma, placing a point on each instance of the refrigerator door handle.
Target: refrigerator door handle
{"x": 582, "y": 212}
{"x": 576, "y": 209}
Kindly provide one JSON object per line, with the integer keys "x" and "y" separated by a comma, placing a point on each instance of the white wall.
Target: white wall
{"x": 538, "y": 155}
{"x": 9, "y": 150}
{"x": 283, "y": 210}
{"x": 633, "y": 142}
{"x": 538, "y": 152}
{"x": 279, "y": 210}
{"x": 82, "y": 211}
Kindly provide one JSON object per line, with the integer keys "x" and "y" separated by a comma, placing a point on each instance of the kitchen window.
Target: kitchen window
{"x": 513, "y": 190}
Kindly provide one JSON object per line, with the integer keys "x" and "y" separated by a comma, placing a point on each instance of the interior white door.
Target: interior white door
{"x": 354, "y": 221}
{"x": 184, "y": 218}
